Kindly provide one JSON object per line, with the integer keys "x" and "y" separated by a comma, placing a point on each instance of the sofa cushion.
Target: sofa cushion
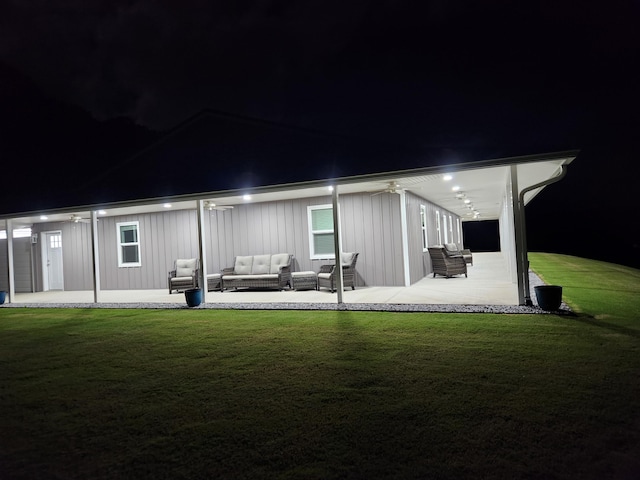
{"x": 185, "y": 267}
{"x": 243, "y": 265}
{"x": 278, "y": 260}
{"x": 346, "y": 258}
{"x": 261, "y": 264}
{"x": 451, "y": 247}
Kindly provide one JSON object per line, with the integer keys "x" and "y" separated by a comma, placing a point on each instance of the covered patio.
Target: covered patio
{"x": 488, "y": 283}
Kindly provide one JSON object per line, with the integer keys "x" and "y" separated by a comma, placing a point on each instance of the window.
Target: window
{"x": 55, "y": 241}
{"x": 459, "y": 232}
{"x": 438, "y": 229}
{"x": 423, "y": 225}
{"x": 320, "y": 231}
{"x": 128, "y": 244}
{"x": 451, "y": 229}
{"x": 444, "y": 227}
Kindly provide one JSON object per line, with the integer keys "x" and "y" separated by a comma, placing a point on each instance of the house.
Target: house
{"x": 216, "y": 187}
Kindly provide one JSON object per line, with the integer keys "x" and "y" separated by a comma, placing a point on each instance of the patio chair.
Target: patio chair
{"x": 445, "y": 264}
{"x": 184, "y": 275}
{"x": 452, "y": 250}
{"x": 327, "y": 274}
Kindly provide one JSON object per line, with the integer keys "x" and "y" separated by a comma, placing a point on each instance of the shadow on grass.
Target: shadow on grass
{"x": 590, "y": 320}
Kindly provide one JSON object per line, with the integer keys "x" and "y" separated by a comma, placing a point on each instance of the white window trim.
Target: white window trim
{"x": 423, "y": 228}
{"x": 438, "y": 229}
{"x": 312, "y": 254}
{"x": 120, "y": 244}
{"x": 451, "y": 229}
{"x": 444, "y": 227}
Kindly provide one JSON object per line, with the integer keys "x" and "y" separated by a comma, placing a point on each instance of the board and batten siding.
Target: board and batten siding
{"x": 369, "y": 225}
{"x": 76, "y": 254}
{"x": 163, "y": 237}
{"x": 419, "y": 260}
{"x": 21, "y": 263}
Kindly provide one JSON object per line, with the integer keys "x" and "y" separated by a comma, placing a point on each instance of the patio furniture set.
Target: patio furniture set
{"x": 264, "y": 272}
{"x": 273, "y": 271}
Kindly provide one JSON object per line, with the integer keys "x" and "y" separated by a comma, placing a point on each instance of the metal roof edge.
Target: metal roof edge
{"x": 567, "y": 155}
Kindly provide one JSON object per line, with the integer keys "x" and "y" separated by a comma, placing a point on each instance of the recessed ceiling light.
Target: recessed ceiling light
{"x": 102, "y": 212}
{"x": 455, "y": 188}
{"x": 466, "y": 200}
{"x": 330, "y": 188}
{"x": 246, "y": 196}
{"x": 447, "y": 177}
{"x": 167, "y": 205}
{"x": 44, "y": 217}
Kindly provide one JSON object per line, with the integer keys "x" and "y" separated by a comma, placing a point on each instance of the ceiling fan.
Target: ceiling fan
{"x": 212, "y": 206}
{"x": 392, "y": 187}
{"x": 75, "y": 218}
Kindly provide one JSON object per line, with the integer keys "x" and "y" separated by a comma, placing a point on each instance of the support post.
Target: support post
{"x": 337, "y": 243}
{"x": 95, "y": 250}
{"x": 12, "y": 287}
{"x": 202, "y": 250}
{"x": 405, "y": 238}
{"x": 522, "y": 267}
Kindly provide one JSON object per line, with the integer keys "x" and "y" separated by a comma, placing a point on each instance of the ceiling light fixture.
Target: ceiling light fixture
{"x": 167, "y": 205}
{"x": 447, "y": 177}
{"x": 455, "y": 188}
{"x": 44, "y": 217}
{"x": 246, "y": 196}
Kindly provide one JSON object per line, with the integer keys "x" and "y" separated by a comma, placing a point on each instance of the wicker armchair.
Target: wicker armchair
{"x": 445, "y": 264}
{"x": 451, "y": 249}
{"x": 327, "y": 274}
{"x": 184, "y": 275}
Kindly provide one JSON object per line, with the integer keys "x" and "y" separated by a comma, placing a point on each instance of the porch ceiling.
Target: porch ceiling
{"x": 483, "y": 185}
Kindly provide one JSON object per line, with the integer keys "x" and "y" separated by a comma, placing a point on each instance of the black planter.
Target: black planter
{"x": 3, "y": 296}
{"x": 193, "y": 297}
{"x": 549, "y": 296}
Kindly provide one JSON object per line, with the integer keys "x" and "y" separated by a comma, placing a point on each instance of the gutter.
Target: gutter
{"x": 523, "y": 227}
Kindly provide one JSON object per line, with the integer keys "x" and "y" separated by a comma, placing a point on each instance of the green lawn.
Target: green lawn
{"x": 296, "y": 394}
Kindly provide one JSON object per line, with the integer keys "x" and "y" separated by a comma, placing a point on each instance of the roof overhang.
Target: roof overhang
{"x": 482, "y": 183}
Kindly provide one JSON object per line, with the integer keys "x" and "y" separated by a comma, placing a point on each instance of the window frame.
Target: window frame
{"x": 423, "y": 228}
{"x": 312, "y": 254}
{"x": 121, "y": 263}
{"x": 438, "y": 227}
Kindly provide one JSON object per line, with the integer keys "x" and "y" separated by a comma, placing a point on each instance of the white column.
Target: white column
{"x": 95, "y": 250}
{"x": 12, "y": 287}
{"x": 522, "y": 267}
{"x": 405, "y": 238}
{"x": 202, "y": 251}
{"x": 337, "y": 243}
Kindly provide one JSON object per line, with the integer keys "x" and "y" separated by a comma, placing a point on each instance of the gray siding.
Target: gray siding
{"x": 21, "y": 264}
{"x": 163, "y": 237}
{"x": 419, "y": 261}
{"x": 371, "y": 225}
{"x": 76, "y": 254}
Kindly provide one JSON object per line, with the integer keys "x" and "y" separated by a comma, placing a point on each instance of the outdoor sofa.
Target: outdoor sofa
{"x": 327, "y": 274}
{"x": 446, "y": 264}
{"x": 259, "y": 271}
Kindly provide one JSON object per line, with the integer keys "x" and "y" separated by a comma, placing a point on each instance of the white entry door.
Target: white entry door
{"x": 52, "y": 261}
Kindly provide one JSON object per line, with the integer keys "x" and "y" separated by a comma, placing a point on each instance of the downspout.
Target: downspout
{"x": 523, "y": 227}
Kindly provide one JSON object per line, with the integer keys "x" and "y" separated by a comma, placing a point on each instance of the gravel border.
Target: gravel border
{"x": 534, "y": 280}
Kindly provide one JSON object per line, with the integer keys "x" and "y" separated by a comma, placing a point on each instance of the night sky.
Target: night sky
{"x": 84, "y": 84}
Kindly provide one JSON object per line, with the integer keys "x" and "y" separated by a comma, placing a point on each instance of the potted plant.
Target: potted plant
{"x": 193, "y": 296}
{"x": 549, "y": 296}
{"x": 3, "y": 296}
